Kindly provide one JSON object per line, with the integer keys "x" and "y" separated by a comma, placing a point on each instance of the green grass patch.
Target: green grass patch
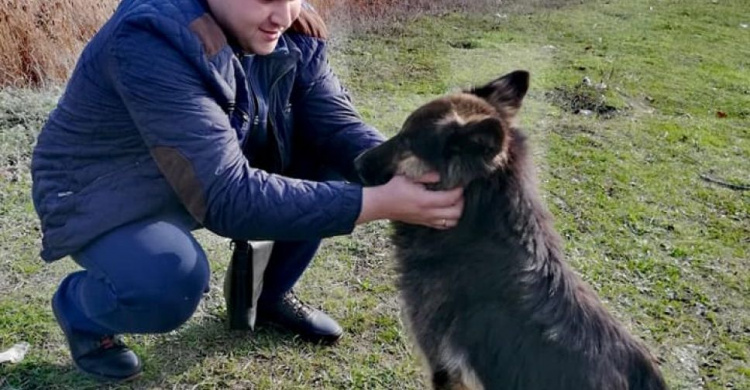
{"x": 666, "y": 249}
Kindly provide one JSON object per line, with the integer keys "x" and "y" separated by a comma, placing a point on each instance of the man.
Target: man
{"x": 183, "y": 114}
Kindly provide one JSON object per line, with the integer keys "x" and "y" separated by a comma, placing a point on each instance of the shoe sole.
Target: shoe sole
{"x": 107, "y": 379}
{"x": 320, "y": 340}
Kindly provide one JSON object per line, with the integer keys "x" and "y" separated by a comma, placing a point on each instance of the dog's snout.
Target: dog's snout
{"x": 370, "y": 169}
{"x": 361, "y": 168}
{"x": 359, "y": 162}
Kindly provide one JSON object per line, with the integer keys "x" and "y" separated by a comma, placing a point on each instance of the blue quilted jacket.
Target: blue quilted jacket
{"x": 161, "y": 112}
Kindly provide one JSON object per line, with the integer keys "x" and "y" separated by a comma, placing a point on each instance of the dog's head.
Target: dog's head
{"x": 461, "y": 136}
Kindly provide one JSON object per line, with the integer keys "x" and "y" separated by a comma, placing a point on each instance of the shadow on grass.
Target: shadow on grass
{"x": 172, "y": 356}
{"x": 167, "y": 359}
{"x": 42, "y": 375}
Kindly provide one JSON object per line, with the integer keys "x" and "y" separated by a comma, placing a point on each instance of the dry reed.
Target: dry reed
{"x": 40, "y": 40}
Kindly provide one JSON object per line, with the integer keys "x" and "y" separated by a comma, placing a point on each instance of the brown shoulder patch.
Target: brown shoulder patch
{"x": 210, "y": 34}
{"x": 310, "y": 23}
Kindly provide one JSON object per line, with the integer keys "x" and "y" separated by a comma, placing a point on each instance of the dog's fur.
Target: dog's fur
{"x": 491, "y": 303}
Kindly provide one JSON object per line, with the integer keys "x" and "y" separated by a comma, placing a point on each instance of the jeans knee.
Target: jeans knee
{"x": 144, "y": 277}
{"x": 169, "y": 301}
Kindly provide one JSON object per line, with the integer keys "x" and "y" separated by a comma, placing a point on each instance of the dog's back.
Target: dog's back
{"x": 491, "y": 303}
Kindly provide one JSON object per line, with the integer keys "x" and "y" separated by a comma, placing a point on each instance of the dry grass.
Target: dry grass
{"x": 369, "y": 15}
{"x": 374, "y": 15}
{"x": 40, "y": 40}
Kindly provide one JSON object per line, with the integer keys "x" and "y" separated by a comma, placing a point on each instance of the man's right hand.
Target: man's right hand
{"x": 402, "y": 199}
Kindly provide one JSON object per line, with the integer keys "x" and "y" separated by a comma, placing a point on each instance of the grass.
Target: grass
{"x": 665, "y": 249}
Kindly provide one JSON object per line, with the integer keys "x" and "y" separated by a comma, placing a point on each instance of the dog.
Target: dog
{"x": 491, "y": 303}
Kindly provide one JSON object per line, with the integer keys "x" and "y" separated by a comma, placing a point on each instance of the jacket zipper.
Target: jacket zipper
{"x": 270, "y": 120}
{"x": 256, "y": 106}
{"x": 246, "y": 117}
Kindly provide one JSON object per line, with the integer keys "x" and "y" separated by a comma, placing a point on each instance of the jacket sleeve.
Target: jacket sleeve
{"x": 196, "y": 149}
{"x": 324, "y": 114}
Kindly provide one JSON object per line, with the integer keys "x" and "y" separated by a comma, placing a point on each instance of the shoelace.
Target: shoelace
{"x": 108, "y": 342}
{"x": 299, "y": 307}
{"x": 105, "y": 344}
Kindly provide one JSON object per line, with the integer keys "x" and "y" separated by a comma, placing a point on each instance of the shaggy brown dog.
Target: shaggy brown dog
{"x": 491, "y": 303}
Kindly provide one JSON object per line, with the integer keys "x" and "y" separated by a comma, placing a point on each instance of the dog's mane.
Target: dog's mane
{"x": 554, "y": 291}
{"x": 553, "y": 296}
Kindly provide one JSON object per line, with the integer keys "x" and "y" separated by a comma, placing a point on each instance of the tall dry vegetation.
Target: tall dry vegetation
{"x": 376, "y": 10}
{"x": 375, "y": 15}
{"x": 40, "y": 40}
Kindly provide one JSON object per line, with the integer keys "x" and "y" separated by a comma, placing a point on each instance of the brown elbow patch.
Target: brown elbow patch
{"x": 210, "y": 34}
{"x": 181, "y": 176}
{"x": 311, "y": 24}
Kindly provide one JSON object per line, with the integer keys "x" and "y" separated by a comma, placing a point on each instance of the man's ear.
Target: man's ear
{"x": 505, "y": 93}
{"x": 484, "y": 138}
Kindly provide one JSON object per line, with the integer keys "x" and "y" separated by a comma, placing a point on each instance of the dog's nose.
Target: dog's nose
{"x": 366, "y": 170}
{"x": 361, "y": 168}
{"x": 358, "y": 162}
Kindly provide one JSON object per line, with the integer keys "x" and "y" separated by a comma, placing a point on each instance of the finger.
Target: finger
{"x": 444, "y": 223}
{"x": 450, "y": 212}
{"x": 428, "y": 178}
{"x": 443, "y": 198}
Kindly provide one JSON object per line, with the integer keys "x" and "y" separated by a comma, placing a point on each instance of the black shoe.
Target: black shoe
{"x": 105, "y": 358}
{"x": 310, "y": 324}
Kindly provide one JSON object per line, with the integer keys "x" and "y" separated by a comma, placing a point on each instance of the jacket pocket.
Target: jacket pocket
{"x": 57, "y": 208}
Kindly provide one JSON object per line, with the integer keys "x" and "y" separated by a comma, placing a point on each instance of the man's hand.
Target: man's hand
{"x": 408, "y": 201}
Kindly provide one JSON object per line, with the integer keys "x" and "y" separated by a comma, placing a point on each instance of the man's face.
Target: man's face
{"x": 255, "y": 24}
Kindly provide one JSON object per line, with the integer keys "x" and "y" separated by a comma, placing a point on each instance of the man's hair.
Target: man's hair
{"x": 309, "y": 23}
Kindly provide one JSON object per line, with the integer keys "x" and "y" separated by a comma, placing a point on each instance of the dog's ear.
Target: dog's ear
{"x": 505, "y": 93}
{"x": 483, "y": 138}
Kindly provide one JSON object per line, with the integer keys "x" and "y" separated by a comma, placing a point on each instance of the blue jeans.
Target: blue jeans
{"x": 149, "y": 276}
